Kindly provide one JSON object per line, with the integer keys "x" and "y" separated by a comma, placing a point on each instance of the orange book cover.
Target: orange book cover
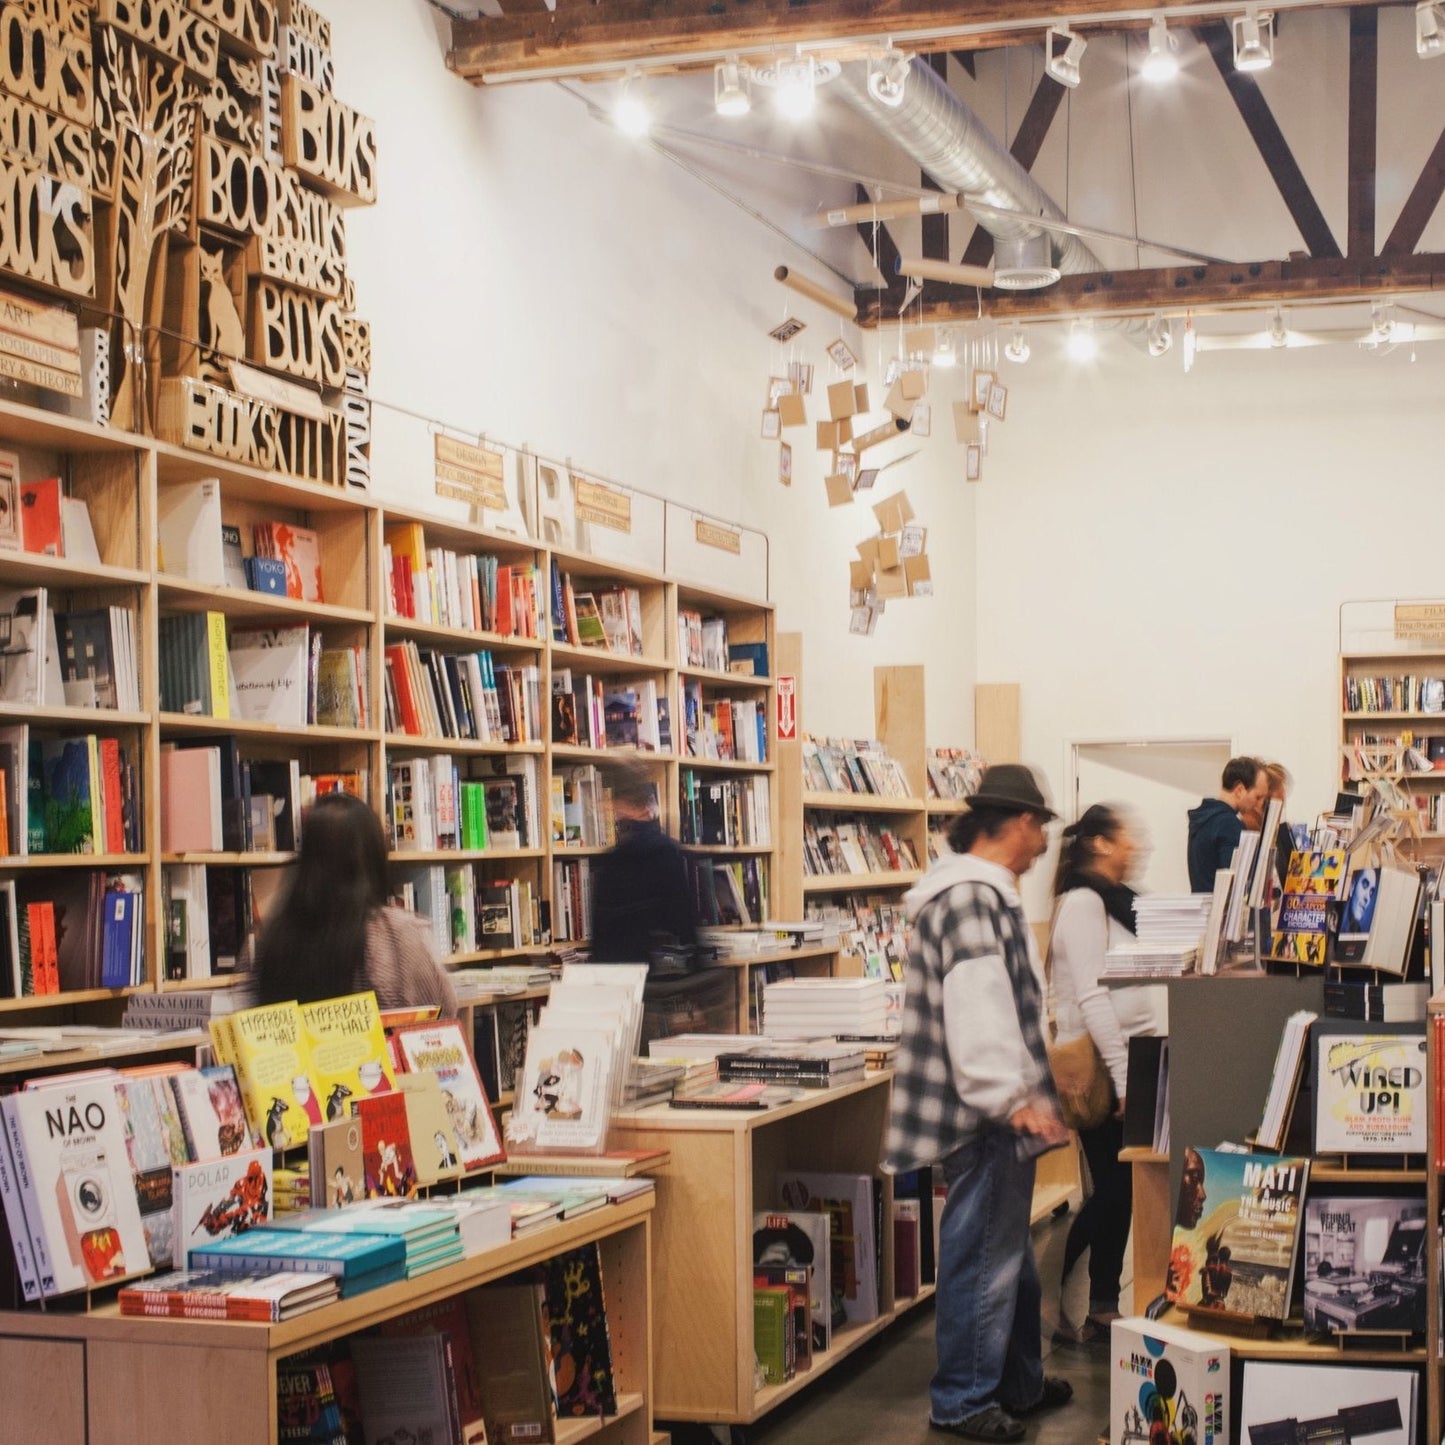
{"x": 112, "y": 806}
{"x": 40, "y": 517}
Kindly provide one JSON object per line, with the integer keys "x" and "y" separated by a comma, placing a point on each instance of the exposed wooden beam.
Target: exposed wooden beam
{"x": 876, "y": 234}
{"x": 1027, "y": 143}
{"x": 1261, "y": 283}
{"x": 968, "y": 60}
{"x": 1419, "y": 205}
{"x": 1364, "y": 85}
{"x": 1259, "y": 119}
{"x": 605, "y": 36}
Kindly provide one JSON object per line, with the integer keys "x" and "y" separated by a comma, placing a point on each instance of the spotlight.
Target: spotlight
{"x": 1429, "y": 29}
{"x": 1253, "y": 40}
{"x": 1082, "y": 345}
{"x": 945, "y": 353}
{"x": 1278, "y": 331}
{"x": 632, "y": 115}
{"x": 797, "y": 91}
{"x": 1382, "y": 325}
{"x": 729, "y": 88}
{"x": 1162, "y": 62}
{"x": 1062, "y": 51}
{"x": 1161, "y": 336}
{"x": 888, "y": 76}
{"x": 1017, "y": 348}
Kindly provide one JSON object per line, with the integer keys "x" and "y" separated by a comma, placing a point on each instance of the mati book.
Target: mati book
{"x": 267, "y": 1047}
{"x": 219, "y": 1199}
{"x": 347, "y": 1048}
{"x": 1236, "y": 1232}
{"x": 1371, "y": 1086}
{"x": 441, "y": 1048}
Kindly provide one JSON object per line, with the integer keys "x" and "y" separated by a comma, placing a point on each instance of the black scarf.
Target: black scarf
{"x": 1118, "y": 898}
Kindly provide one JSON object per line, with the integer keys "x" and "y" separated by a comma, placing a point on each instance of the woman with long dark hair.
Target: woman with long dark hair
{"x": 333, "y": 933}
{"x": 1094, "y": 909}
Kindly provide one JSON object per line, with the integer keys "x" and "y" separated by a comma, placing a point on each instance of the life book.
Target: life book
{"x": 67, "y": 1146}
{"x": 1236, "y": 1232}
{"x": 267, "y": 1046}
{"x": 195, "y": 1294}
{"x": 1371, "y": 1088}
{"x": 347, "y": 1048}
{"x": 219, "y": 1199}
{"x": 797, "y": 1239}
{"x": 441, "y": 1048}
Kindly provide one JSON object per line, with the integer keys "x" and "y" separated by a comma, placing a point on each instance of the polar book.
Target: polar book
{"x": 219, "y": 1199}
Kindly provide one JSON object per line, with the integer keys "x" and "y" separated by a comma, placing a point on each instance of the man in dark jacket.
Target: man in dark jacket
{"x": 1215, "y": 825}
{"x": 640, "y": 897}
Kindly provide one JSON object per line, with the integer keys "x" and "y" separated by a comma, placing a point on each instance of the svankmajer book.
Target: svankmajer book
{"x": 1237, "y": 1226}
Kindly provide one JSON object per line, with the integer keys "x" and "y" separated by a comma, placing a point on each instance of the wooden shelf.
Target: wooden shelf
{"x": 174, "y": 722}
{"x": 465, "y": 855}
{"x": 181, "y": 594}
{"x": 727, "y": 850}
{"x": 710, "y": 677}
{"x": 862, "y": 803}
{"x": 946, "y": 807}
{"x": 1364, "y": 717}
{"x": 462, "y": 639}
{"x": 31, "y": 569}
{"x": 1294, "y": 1347}
{"x": 496, "y": 955}
{"x": 695, "y": 598}
{"x": 573, "y": 753}
{"x": 215, "y": 980}
{"x": 71, "y": 996}
{"x": 583, "y": 565}
{"x": 232, "y": 860}
{"x": 463, "y": 536}
{"x": 723, "y": 765}
{"x": 569, "y": 850}
{"x": 128, "y": 862}
{"x": 600, "y": 661}
{"x": 1321, "y": 1173}
{"x": 845, "y": 882}
{"x": 569, "y": 1430}
{"x": 92, "y": 719}
{"x": 457, "y": 745}
{"x": 176, "y": 464}
{"x": 786, "y": 955}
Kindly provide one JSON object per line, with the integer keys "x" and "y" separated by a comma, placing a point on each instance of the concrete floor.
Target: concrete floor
{"x": 881, "y": 1393}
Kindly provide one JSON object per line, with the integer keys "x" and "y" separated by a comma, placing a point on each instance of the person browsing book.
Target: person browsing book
{"x": 973, "y": 1090}
{"x": 1216, "y": 824}
{"x": 333, "y": 933}
{"x": 640, "y": 898}
{"x": 1094, "y": 911}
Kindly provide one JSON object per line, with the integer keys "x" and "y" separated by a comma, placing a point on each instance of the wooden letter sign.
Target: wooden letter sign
{"x": 169, "y": 27}
{"x": 469, "y": 473}
{"x": 297, "y": 334}
{"x": 54, "y": 71}
{"x": 39, "y": 344}
{"x": 45, "y": 142}
{"x": 47, "y": 231}
{"x": 328, "y": 142}
{"x": 714, "y": 534}
{"x": 247, "y": 25}
{"x": 607, "y": 506}
{"x": 301, "y": 55}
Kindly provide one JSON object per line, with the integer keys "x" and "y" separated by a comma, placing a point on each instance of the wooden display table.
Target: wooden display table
{"x": 103, "y": 1379}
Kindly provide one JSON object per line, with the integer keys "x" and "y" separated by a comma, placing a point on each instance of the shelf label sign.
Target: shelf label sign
{"x": 1420, "y": 619}
{"x": 469, "y": 473}
{"x": 39, "y": 344}
{"x": 607, "y": 506}
{"x": 787, "y": 707}
{"x": 714, "y": 534}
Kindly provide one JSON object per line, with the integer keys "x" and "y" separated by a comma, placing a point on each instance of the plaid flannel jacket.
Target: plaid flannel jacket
{"x": 970, "y": 920}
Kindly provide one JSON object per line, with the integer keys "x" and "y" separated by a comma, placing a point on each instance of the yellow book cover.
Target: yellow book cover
{"x": 349, "y": 1056}
{"x": 217, "y": 660}
{"x": 271, "y": 1059}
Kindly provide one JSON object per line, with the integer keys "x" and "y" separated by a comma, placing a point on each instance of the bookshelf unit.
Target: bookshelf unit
{"x": 103, "y": 1379}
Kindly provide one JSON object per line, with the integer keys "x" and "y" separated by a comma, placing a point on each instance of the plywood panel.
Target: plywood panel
{"x": 44, "y": 1392}
{"x": 996, "y": 721}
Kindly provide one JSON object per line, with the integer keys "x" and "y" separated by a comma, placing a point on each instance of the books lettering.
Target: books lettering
{"x": 1370, "y": 1088}
{"x": 1236, "y": 1232}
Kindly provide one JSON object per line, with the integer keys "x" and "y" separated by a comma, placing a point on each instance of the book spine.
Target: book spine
{"x": 218, "y": 665}
{"x": 29, "y": 1199}
{"x": 17, "y": 1223}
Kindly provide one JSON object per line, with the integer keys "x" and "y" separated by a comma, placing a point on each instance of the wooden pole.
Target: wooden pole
{"x": 926, "y": 270}
{"x": 848, "y": 310}
{"x": 887, "y": 210}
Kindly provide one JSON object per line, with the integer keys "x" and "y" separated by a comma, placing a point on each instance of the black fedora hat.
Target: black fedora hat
{"x": 1011, "y": 788}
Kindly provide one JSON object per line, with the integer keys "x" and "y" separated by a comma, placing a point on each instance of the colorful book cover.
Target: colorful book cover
{"x": 1371, "y": 1088}
{"x": 1301, "y": 932}
{"x": 73, "y": 1135}
{"x": 800, "y": 1240}
{"x": 441, "y": 1048}
{"x": 288, "y": 1249}
{"x": 40, "y": 517}
{"x": 563, "y": 1097}
{"x": 847, "y": 1200}
{"x": 338, "y": 1176}
{"x": 347, "y": 1048}
{"x": 1236, "y": 1232}
{"x": 772, "y": 1311}
{"x": 1364, "y": 1263}
{"x": 268, "y": 1048}
{"x": 434, "y": 1148}
{"x": 155, "y": 1144}
{"x": 220, "y": 1198}
{"x": 1167, "y": 1386}
{"x": 581, "y": 1348}
{"x": 386, "y": 1146}
{"x": 211, "y": 1112}
{"x": 71, "y": 791}
{"x": 307, "y": 1411}
{"x": 299, "y": 549}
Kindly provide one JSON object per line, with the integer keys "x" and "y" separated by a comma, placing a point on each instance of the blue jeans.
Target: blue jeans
{"x": 987, "y": 1323}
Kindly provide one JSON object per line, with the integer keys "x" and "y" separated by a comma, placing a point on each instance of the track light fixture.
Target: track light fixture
{"x": 1018, "y": 347}
{"x": 1253, "y": 40}
{"x": 1083, "y": 344}
{"x": 730, "y": 88}
{"x": 1278, "y": 331}
{"x": 1162, "y": 61}
{"x": 1160, "y": 336}
{"x": 631, "y": 114}
{"x": 794, "y": 80}
{"x": 1429, "y": 29}
{"x": 888, "y": 76}
{"x": 1062, "y": 52}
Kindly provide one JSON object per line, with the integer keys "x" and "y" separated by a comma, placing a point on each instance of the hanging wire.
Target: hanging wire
{"x": 1133, "y": 175}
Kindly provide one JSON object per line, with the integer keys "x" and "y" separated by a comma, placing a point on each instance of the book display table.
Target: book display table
{"x": 100, "y": 1379}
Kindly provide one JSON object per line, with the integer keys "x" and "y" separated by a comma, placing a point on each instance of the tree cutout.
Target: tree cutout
{"x": 152, "y": 108}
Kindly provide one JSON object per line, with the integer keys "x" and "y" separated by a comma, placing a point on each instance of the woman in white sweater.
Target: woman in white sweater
{"x": 1095, "y": 910}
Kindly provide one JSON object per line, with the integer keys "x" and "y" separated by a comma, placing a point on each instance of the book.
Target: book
{"x": 25, "y": 623}
{"x": 337, "y": 1170}
{"x": 1371, "y": 1088}
{"x": 1167, "y": 1384}
{"x": 1301, "y": 928}
{"x": 155, "y": 1144}
{"x": 298, "y": 549}
{"x": 40, "y": 517}
{"x": 1237, "y": 1256}
{"x": 1364, "y": 1262}
{"x": 434, "y": 1149}
{"x": 88, "y": 658}
{"x": 213, "y": 1118}
{"x": 216, "y": 1295}
{"x": 800, "y": 1240}
{"x": 386, "y": 1146}
{"x": 219, "y": 1199}
{"x": 511, "y": 1349}
{"x": 67, "y": 1145}
{"x": 1377, "y": 918}
{"x": 581, "y": 1349}
{"x": 271, "y": 667}
{"x": 448, "y": 1319}
{"x": 796, "y": 1282}
{"x": 441, "y": 1048}
{"x": 563, "y": 1098}
{"x": 267, "y": 1046}
{"x": 304, "y": 1250}
{"x": 847, "y": 1200}
{"x": 1284, "y": 1082}
{"x": 773, "y": 1348}
{"x": 189, "y": 529}
{"x": 1284, "y": 1403}
{"x": 407, "y": 1387}
{"x": 347, "y": 1050}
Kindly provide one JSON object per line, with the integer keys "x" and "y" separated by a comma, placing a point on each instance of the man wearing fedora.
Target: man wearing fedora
{"x": 973, "y": 1090}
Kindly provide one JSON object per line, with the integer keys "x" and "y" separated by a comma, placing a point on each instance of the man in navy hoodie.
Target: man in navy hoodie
{"x": 1215, "y": 825}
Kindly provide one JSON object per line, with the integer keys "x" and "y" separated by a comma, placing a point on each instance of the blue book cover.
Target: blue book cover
{"x": 354, "y": 1284}
{"x": 414, "y": 1224}
{"x": 117, "y": 938}
{"x": 343, "y": 1254}
{"x": 69, "y": 795}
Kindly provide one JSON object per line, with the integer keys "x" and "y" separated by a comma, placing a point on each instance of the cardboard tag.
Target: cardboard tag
{"x": 965, "y": 422}
{"x": 918, "y": 576}
{"x": 892, "y": 512}
{"x": 792, "y": 410}
{"x": 889, "y": 556}
{"x": 842, "y": 400}
{"x": 840, "y": 490}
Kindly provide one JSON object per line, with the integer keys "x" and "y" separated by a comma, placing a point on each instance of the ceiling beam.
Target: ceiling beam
{"x": 1259, "y": 120}
{"x": 604, "y": 37}
{"x": 1176, "y": 289}
{"x": 1027, "y": 143}
{"x": 1363, "y": 123}
{"x": 1419, "y": 205}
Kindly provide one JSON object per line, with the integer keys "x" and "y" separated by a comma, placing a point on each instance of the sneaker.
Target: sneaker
{"x": 990, "y": 1423}
{"x": 1056, "y": 1392}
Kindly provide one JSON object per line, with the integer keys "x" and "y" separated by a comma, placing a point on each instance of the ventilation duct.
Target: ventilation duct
{"x": 953, "y": 146}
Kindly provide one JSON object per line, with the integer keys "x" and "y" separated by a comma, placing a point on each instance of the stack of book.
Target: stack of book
{"x": 1171, "y": 918}
{"x": 1149, "y": 960}
{"x": 814, "y": 1008}
{"x": 204, "y": 1294}
{"x": 430, "y": 1238}
{"x": 816, "y": 1064}
{"x": 953, "y": 772}
{"x": 651, "y": 1081}
{"x": 875, "y": 927}
{"x": 359, "y": 1262}
{"x": 833, "y": 766}
{"x": 185, "y": 1008}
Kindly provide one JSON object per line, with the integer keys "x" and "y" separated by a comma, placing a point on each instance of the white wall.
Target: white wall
{"x": 531, "y": 274}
